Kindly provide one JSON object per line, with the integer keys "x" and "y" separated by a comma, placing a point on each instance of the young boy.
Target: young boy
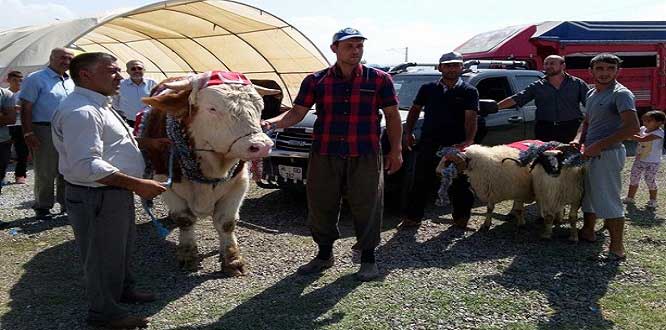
{"x": 648, "y": 156}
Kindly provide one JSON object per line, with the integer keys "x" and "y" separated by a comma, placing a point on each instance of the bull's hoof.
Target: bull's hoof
{"x": 188, "y": 257}
{"x": 235, "y": 268}
{"x": 484, "y": 228}
{"x": 573, "y": 238}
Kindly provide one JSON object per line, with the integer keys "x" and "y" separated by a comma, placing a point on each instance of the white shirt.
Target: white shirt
{"x": 650, "y": 151}
{"x": 92, "y": 140}
{"x": 129, "y": 97}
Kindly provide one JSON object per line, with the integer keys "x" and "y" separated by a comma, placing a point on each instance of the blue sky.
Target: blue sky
{"x": 427, "y": 27}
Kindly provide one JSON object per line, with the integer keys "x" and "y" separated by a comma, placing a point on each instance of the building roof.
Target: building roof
{"x": 177, "y": 37}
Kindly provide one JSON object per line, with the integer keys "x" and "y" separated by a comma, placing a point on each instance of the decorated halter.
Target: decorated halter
{"x": 213, "y": 78}
{"x": 190, "y": 166}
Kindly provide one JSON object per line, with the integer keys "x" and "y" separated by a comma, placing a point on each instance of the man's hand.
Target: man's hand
{"x": 592, "y": 150}
{"x": 393, "y": 162}
{"x": 575, "y": 144}
{"x": 32, "y": 142}
{"x": 463, "y": 145}
{"x": 148, "y": 189}
{"x": 265, "y": 125}
{"x": 408, "y": 141}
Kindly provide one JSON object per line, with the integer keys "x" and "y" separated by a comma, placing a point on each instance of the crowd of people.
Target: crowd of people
{"x": 78, "y": 128}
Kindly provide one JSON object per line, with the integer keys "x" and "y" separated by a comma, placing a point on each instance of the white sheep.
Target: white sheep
{"x": 558, "y": 183}
{"x": 493, "y": 179}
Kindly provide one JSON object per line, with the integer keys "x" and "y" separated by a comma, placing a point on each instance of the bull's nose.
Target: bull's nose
{"x": 259, "y": 150}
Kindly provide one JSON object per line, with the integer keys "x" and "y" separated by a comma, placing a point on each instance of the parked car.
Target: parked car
{"x": 287, "y": 164}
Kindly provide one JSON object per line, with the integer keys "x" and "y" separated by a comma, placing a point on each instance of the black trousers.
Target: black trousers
{"x": 563, "y": 131}
{"x": 425, "y": 179}
{"x": 21, "y": 150}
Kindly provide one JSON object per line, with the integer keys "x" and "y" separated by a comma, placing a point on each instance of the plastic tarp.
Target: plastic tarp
{"x": 174, "y": 38}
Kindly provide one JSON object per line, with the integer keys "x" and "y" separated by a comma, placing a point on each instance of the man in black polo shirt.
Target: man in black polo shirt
{"x": 451, "y": 108}
{"x": 558, "y": 97}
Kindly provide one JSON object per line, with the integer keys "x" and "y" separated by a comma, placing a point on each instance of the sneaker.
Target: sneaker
{"x": 652, "y": 204}
{"x": 628, "y": 200}
{"x": 315, "y": 266}
{"x": 367, "y": 272}
{"x": 21, "y": 180}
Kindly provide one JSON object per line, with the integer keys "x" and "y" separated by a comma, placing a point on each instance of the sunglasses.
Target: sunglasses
{"x": 136, "y": 68}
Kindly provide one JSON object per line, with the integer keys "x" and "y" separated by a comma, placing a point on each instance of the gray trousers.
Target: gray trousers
{"x": 361, "y": 181}
{"x": 104, "y": 229}
{"x": 45, "y": 161}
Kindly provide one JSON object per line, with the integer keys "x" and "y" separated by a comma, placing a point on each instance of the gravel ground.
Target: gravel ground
{"x": 433, "y": 278}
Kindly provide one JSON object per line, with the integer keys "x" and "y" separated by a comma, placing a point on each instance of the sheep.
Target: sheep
{"x": 557, "y": 180}
{"x": 492, "y": 179}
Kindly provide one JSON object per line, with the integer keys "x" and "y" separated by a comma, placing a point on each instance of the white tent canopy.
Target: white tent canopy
{"x": 177, "y": 37}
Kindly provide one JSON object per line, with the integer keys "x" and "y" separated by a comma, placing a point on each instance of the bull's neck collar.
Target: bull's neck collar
{"x": 186, "y": 155}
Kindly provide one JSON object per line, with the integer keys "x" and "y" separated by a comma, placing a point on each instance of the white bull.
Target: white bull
{"x": 215, "y": 128}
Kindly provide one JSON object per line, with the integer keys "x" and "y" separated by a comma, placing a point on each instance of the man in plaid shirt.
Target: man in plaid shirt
{"x": 346, "y": 158}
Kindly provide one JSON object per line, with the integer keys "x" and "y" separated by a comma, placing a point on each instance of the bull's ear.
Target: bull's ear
{"x": 176, "y": 104}
{"x": 263, "y": 91}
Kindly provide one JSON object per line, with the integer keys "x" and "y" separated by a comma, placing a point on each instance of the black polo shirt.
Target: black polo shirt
{"x": 444, "y": 108}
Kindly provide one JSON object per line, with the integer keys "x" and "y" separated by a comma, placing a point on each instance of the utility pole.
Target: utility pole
{"x": 406, "y": 54}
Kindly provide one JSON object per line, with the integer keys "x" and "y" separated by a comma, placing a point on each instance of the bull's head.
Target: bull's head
{"x": 222, "y": 117}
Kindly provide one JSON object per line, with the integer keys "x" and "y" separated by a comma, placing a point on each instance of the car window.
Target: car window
{"x": 407, "y": 86}
{"x": 495, "y": 88}
{"x": 523, "y": 81}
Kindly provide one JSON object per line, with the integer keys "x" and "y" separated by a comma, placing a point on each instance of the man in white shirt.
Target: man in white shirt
{"x": 128, "y": 100}
{"x": 102, "y": 165}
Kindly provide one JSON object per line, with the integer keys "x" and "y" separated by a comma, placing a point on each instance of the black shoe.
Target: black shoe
{"x": 315, "y": 266}
{"x": 42, "y": 214}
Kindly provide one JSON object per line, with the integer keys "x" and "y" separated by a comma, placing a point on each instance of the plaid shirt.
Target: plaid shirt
{"x": 347, "y": 110}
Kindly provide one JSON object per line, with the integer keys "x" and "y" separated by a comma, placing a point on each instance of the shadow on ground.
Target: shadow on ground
{"x": 50, "y": 294}
{"x": 643, "y": 217}
{"x": 30, "y": 225}
{"x": 565, "y": 273}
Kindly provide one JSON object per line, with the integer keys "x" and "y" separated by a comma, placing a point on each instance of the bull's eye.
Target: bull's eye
{"x": 212, "y": 109}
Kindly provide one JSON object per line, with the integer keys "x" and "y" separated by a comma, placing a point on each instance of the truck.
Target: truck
{"x": 641, "y": 46}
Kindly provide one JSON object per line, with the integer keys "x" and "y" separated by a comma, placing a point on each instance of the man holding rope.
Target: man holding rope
{"x": 102, "y": 165}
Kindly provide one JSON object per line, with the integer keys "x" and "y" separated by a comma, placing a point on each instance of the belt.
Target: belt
{"x": 104, "y": 188}
{"x": 41, "y": 123}
{"x": 557, "y": 123}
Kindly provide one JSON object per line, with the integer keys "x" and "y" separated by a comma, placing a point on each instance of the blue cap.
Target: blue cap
{"x": 347, "y": 33}
{"x": 452, "y": 57}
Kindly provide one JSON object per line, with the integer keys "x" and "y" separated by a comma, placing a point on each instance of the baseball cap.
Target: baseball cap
{"x": 347, "y": 33}
{"x": 451, "y": 57}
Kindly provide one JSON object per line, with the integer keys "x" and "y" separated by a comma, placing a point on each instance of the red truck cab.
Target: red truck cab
{"x": 641, "y": 45}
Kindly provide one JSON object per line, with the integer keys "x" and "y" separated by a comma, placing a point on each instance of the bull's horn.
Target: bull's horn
{"x": 263, "y": 91}
{"x": 179, "y": 85}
